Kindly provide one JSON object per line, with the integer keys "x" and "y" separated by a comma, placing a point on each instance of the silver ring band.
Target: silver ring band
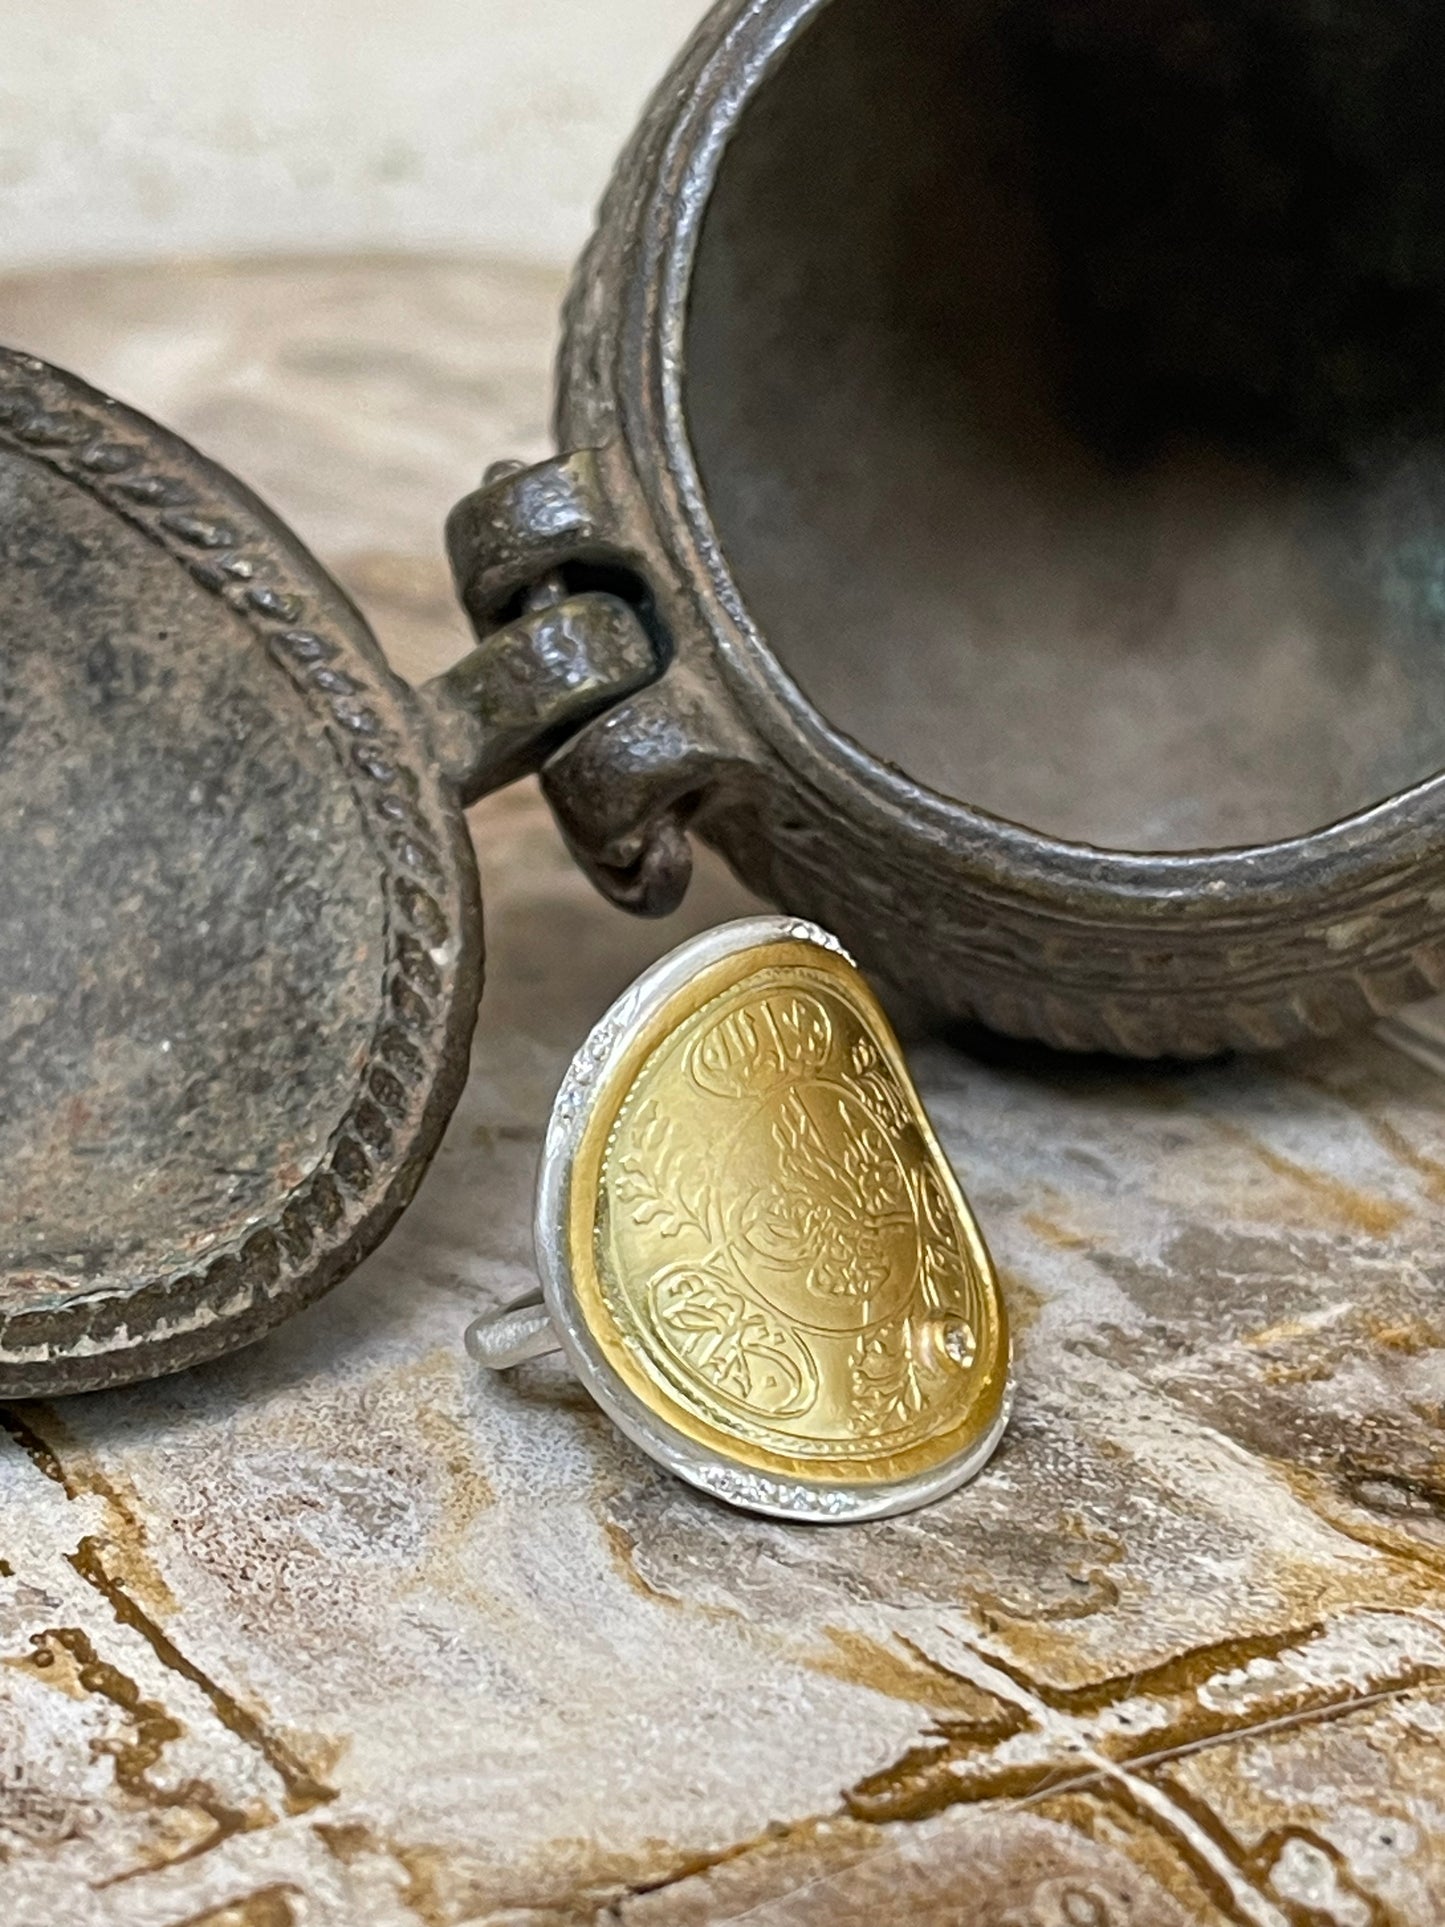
{"x": 512, "y": 1336}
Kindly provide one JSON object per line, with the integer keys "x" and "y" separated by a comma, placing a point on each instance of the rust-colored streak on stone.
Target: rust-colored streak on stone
{"x": 425, "y": 1890}
{"x": 431, "y": 1882}
{"x": 152, "y": 1729}
{"x": 1257, "y": 1864}
{"x": 1420, "y": 1568}
{"x": 1070, "y": 1855}
{"x": 1265, "y": 1859}
{"x": 267, "y": 1907}
{"x": 35, "y": 1448}
{"x": 615, "y": 1893}
{"x": 951, "y": 1770}
{"x": 1181, "y": 1887}
{"x": 52, "y": 1661}
{"x": 1181, "y": 1832}
{"x": 447, "y": 1888}
{"x": 1317, "y": 1809}
{"x": 422, "y": 1892}
{"x": 1412, "y": 1338}
{"x": 41, "y": 1435}
{"x": 623, "y": 1548}
{"x": 303, "y": 1790}
{"x": 1180, "y": 1673}
{"x": 1053, "y": 1233}
{"x": 907, "y": 1674}
{"x": 1430, "y": 1170}
{"x": 347, "y": 1840}
{"x": 1023, "y": 1302}
{"x": 1356, "y": 1210}
{"x": 957, "y": 1765}
{"x": 1348, "y": 1082}
{"x": 1332, "y": 1201}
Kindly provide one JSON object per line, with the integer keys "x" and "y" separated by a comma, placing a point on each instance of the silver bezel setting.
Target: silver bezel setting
{"x": 712, "y": 1472}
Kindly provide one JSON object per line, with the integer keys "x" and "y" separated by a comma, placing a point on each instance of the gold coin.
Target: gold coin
{"x": 766, "y": 1242}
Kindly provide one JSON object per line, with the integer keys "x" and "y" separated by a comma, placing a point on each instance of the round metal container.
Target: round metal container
{"x": 1022, "y": 426}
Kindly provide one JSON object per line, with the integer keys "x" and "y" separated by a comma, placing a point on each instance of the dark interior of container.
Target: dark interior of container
{"x": 1067, "y": 380}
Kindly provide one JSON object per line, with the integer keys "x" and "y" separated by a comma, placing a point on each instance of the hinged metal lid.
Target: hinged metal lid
{"x": 241, "y": 948}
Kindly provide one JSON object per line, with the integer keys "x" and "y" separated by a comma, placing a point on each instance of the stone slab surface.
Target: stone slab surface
{"x": 337, "y": 1634}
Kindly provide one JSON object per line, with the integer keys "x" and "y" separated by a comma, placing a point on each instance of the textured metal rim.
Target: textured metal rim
{"x": 404, "y": 1093}
{"x": 649, "y": 232}
{"x": 711, "y": 1472}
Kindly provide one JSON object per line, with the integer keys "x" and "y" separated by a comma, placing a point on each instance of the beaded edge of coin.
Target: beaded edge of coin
{"x": 593, "y": 1075}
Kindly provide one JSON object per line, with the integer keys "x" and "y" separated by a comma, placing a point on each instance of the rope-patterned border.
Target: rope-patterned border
{"x": 181, "y": 502}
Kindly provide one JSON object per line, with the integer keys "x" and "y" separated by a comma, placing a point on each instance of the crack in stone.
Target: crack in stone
{"x": 1258, "y": 1864}
{"x": 304, "y": 1790}
{"x": 133, "y": 1760}
{"x": 1120, "y": 1781}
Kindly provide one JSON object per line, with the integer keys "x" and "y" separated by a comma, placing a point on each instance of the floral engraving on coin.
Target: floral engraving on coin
{"x": 667, "y": 1192}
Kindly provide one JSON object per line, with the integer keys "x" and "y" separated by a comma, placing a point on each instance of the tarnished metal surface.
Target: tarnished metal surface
{"x": 241, "y": 947}
{"x": 338, "y": 1631}
{"x": 1050, "y": 396}
{"x": 242, "y": 943}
